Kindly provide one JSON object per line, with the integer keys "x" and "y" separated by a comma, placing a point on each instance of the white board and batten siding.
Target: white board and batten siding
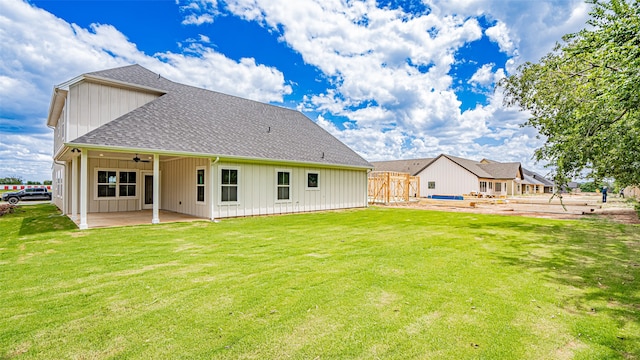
{"x": 179, "y": 189}
{"x": 449, "y": 177}
{"x": 90, "y": 105}
{"x": 60, "y": 133}
{"x": 96, "y": 204}
{"x": 257, "y": 189}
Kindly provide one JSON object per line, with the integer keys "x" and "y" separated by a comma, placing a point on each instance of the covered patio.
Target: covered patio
{"x": 129, "y": 218}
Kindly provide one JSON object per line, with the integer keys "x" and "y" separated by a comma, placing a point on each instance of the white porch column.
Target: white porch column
{"x": 84, "y": 173}
{"x": 212, "y": 188}
{"x": 74, "y": 188}
{"x": 156, "y": 189}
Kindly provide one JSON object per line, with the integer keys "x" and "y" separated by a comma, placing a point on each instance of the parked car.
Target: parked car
{"x": 26, "y": 195}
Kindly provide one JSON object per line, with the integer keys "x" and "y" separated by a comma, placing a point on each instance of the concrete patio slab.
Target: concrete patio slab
{"x": 129, "y": 218}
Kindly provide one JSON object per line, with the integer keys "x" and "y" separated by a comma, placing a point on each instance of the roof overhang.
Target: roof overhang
{"x": 122, "y": 84}
{"x": 107, "y": 81}
{"x": 56, "y": 105}
{"x": 67, "y": 154}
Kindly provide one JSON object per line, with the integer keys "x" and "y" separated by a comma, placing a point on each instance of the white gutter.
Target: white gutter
{"x": 200, "y": 155}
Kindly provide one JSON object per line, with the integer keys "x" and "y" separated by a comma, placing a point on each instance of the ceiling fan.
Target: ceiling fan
{"x": 137, "y": 159}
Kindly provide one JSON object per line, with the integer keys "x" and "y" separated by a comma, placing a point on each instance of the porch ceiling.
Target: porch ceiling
{"x": 68, "y": 155}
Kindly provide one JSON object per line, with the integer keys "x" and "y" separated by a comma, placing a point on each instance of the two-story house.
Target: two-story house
{"x": 127, "y": 139}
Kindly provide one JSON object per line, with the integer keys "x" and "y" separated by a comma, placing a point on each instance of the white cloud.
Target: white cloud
{"x": 26, "y": 156}
{"x": 499, "y": 33}
{"x": 533, "y": 26}
{"x": 199, "y": 12}
{"x": 193, "y": 19}
{"x": 484, "y": 75}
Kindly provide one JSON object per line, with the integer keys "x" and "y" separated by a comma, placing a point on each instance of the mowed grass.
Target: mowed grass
{"x": 358, "y": 284}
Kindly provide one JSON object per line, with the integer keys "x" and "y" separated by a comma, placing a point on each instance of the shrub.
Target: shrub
{"x": 6, "y": 209}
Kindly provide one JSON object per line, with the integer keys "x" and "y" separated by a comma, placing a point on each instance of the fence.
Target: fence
{"x": 22, "y": 187}
{"x": 387, "y": 186}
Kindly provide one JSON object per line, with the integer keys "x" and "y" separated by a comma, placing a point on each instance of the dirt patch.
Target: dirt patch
{"x": 572, "y": 207}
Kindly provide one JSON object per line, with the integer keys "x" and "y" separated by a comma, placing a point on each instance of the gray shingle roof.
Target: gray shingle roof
{"x": 411, "y": 166}
{"x": 531, "y": 180}
{"x": 502, "y": 170}
{"x": 534, "y": 176}
{"x": 470, "y": 165}
{"x": 187, "y": 119}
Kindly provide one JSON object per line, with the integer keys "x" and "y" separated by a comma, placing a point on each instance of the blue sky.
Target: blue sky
{"x": 392, "y": 79}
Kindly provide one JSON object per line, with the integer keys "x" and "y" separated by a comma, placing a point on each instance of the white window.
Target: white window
{"x": 498, "y": 187}
{"x": 431, "y": 184}
{"x": 200, "y": 185}
{"x": 106, "y": 184}
{"x": 127, "y": 184}
{"x": 483, "y": 186}
{"x": 229, "y": 185}
{"x": 490, "y": 185}
{"x": 313, "y": 180}
{"x": 115, "y": 184}
{"x": 283, "y": 181}
{"x": 58, "y": 187}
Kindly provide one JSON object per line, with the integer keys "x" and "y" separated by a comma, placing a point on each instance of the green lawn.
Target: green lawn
{"x": 364, "y": 284}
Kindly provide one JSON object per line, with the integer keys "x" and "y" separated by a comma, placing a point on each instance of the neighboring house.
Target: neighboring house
{"x": 450, "y": 175}
{"x": 571, "y": 187}
{"x": 535, "y": 183}
{"x": 128, "y": 139}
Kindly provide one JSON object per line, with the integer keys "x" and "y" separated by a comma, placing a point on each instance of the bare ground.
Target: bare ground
{"x": 542, "y": 206}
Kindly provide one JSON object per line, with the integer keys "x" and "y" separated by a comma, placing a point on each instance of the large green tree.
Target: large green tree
{"x": 584, "y": 97}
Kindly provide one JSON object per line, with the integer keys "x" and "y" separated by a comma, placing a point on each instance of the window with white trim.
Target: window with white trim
{"x": 483, "y": 186}
{"x": 228, "y": 185}
{"x": 200, "y": 185}
{"x": 284, "y": 185}
{"x": 116, "y": 184}
{"x": 431, "y": 185}
{"x": 498, "y": 187}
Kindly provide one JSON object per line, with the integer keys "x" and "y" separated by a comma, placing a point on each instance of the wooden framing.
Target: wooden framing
{"x": 387, "y": 186}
